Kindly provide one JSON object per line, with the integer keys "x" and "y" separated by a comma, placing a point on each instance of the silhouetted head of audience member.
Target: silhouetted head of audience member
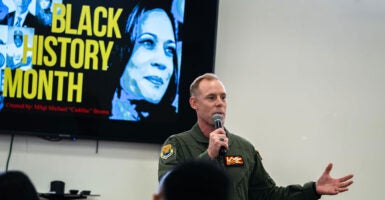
{"x": 194, "y": 179}
{"x": 15, "y": 185}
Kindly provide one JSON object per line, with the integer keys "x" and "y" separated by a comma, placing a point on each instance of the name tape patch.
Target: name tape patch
{"x": 234, "y": 161}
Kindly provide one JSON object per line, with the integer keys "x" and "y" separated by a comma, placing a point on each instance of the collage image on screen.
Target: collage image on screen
{"x": 115, "y": 60}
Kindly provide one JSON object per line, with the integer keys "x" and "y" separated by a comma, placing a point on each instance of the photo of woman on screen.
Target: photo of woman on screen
{"x": 44, "y": 16}
{"x": 147, "y": 86}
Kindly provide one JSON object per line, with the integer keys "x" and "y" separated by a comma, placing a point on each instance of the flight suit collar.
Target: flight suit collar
{"x": 198, "y": 135}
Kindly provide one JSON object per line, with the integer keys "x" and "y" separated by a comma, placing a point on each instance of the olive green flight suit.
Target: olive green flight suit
{"x": 242, "y": 162}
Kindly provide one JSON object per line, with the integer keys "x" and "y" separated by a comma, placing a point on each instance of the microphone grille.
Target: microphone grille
{"x": 217, "y": 117}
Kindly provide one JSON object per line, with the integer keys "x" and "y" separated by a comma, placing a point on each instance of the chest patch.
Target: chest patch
{"x": 234, "y": 161}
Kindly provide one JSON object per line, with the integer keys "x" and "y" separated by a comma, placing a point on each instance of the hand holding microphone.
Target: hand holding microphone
{"x": 217, "y": 118}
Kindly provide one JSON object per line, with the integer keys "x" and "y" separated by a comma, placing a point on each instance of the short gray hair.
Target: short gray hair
{"x": 195, "y": 84}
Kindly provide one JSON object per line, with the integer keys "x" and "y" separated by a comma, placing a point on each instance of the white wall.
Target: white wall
{"x": 306, "y": 85}
{"x": 118, "y": 171}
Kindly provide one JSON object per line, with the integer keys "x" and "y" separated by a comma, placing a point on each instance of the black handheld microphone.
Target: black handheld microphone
{"x": 217, "y": 118}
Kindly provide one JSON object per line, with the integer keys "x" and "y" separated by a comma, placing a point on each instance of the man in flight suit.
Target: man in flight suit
{"x": 249, "y": 180}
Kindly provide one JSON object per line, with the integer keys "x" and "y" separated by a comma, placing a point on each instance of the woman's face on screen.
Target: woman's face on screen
{"x": 149, "y": 70}
{"x": 22, "y": 3}
{"x": 44, "y": 4}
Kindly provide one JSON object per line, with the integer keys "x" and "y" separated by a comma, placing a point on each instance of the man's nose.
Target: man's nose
{"x": 219, "y": 101}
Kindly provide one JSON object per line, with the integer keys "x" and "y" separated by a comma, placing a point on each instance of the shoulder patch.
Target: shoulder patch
{"x": 167, "y": 151}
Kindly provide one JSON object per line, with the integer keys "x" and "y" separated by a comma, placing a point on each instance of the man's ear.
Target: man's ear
{"x": 192, "y": 102}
